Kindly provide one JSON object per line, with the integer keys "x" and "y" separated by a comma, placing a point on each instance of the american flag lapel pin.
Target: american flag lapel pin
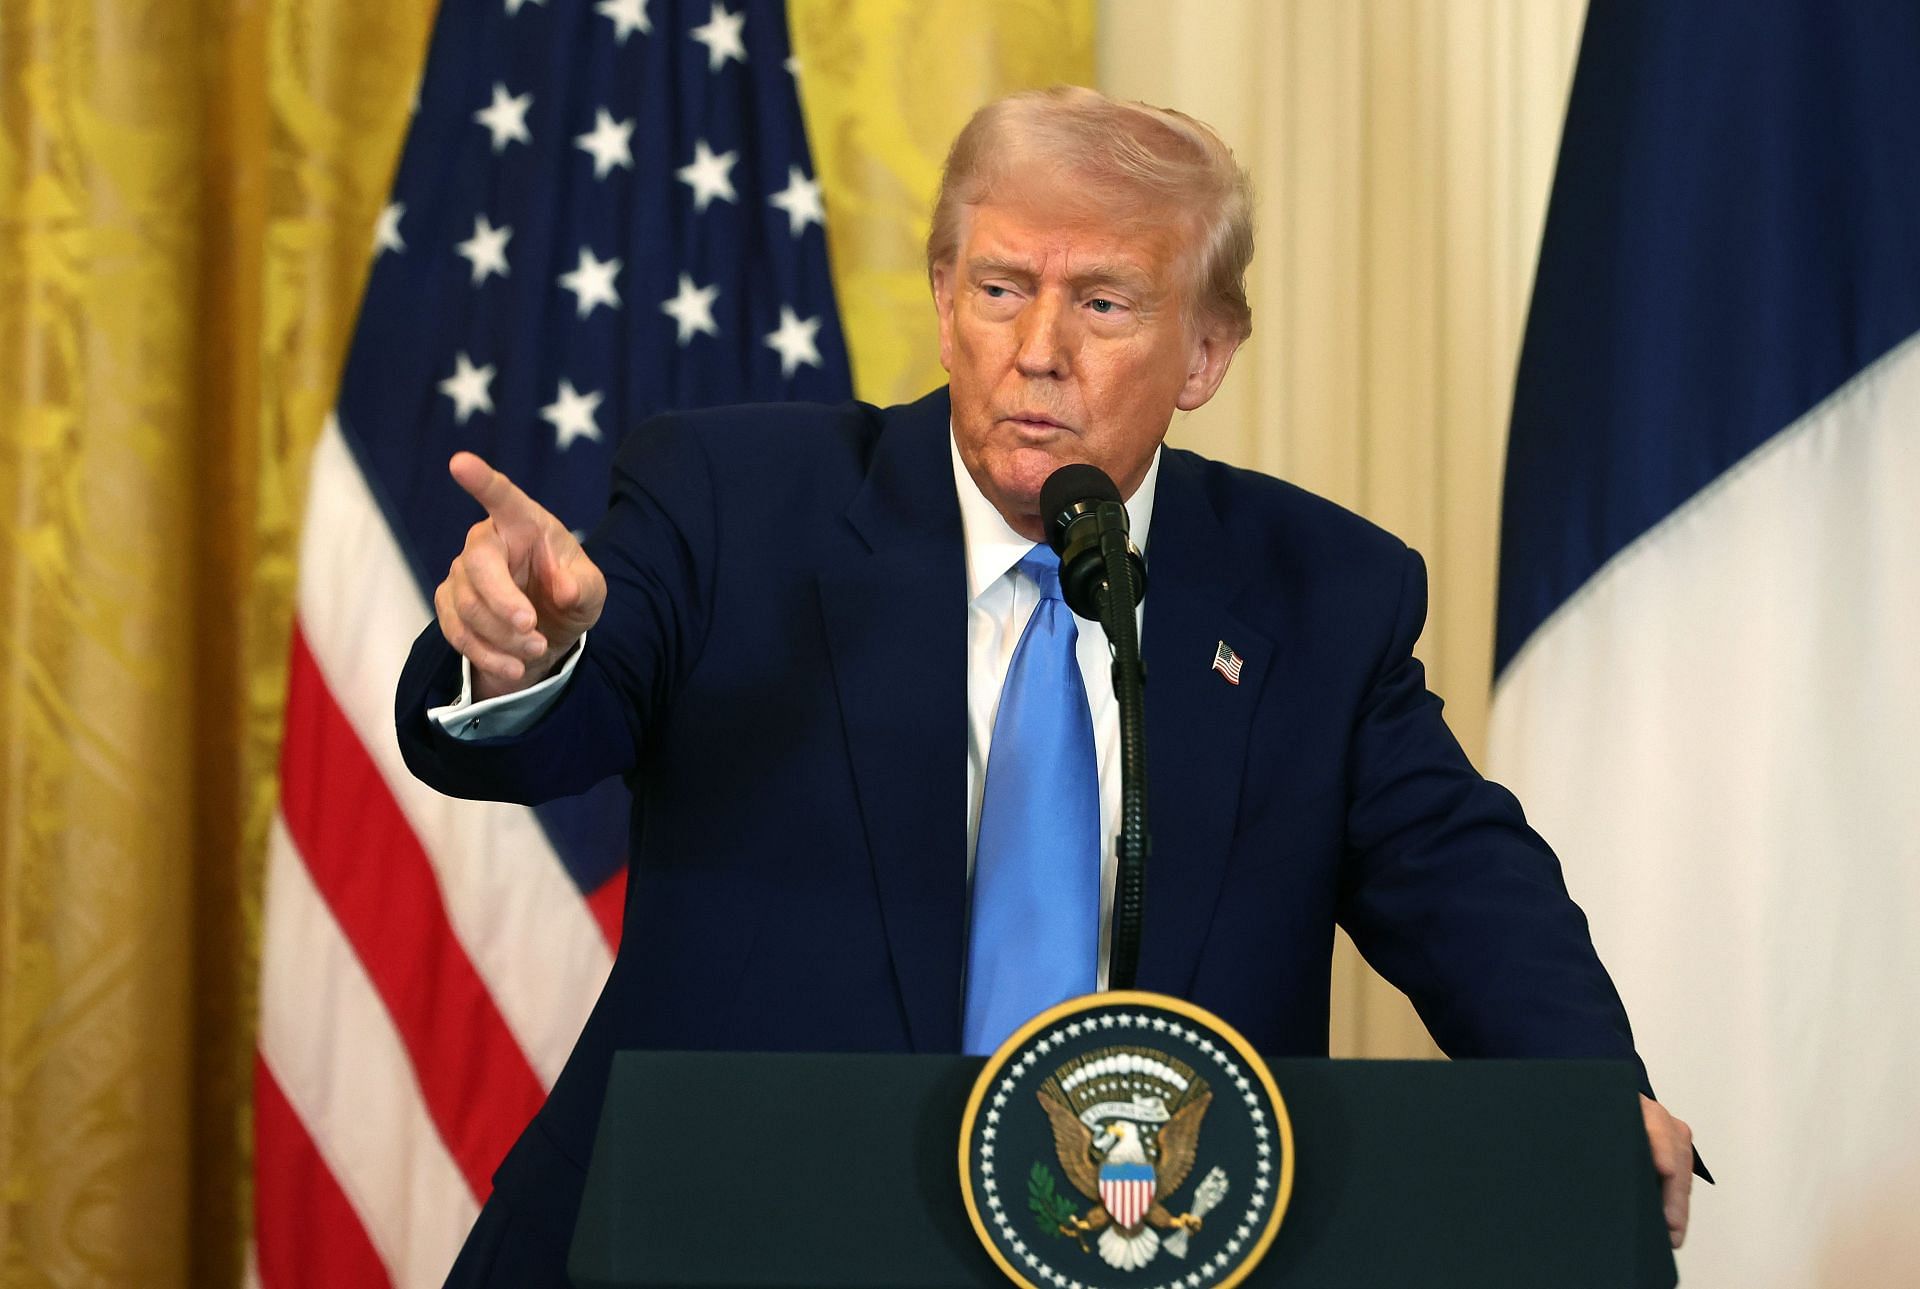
{"x": 1227, "y": 663}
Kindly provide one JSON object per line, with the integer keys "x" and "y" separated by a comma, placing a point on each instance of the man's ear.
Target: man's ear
{"x": 943, "y": 308}
{"x": 1213, "y": 350}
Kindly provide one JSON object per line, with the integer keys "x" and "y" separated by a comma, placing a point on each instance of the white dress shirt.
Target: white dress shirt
{"x": 999, "y": 601}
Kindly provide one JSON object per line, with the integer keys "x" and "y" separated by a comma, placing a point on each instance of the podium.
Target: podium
{"x": 732, "y": 1171}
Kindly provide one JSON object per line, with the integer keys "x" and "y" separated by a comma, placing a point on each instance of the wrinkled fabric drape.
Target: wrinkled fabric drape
{"x": 885, "y": 85}
{"x": 1401, "y": 154}
{"x": 188, "y": 190}
{"x": 185, "y": 196}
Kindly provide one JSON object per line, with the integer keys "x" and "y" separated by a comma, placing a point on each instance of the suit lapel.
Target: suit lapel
{"x": 895, "y": 619}
{"x": 1197, "y": 723}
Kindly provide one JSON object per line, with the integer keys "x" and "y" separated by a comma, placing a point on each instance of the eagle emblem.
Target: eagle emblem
{"x": 1126, "y": 1127}
{"x": 1114, "y": 1090}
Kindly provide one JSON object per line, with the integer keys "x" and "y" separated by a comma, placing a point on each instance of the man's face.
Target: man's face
{"x": 1066, "y": 340}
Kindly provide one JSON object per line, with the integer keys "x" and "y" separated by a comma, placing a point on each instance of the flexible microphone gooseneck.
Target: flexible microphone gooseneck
{"x": 1103, "y": 577}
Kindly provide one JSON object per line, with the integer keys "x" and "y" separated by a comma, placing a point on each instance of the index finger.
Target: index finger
{"x": 500, "y": 495}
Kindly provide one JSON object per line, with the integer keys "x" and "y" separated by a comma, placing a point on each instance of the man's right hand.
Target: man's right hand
{"x": 521, "y": 593}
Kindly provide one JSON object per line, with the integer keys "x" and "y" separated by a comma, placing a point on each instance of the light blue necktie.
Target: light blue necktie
{"x": 1033, "y": 940}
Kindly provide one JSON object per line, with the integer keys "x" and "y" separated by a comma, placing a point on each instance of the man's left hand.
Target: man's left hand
{"x": 1672, "y": 1144}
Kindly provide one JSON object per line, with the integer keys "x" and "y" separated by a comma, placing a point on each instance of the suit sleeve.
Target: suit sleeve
{"x": 656, "y": 548}
{"x": 1449, "y": 894}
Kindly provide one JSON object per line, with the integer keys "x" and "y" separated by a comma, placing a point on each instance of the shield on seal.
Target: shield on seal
{"x": 1127, "y": 1191}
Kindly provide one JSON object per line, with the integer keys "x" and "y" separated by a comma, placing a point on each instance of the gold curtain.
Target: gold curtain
{"x": 186, "y": 195}
{"x": 188, "y": 190}
{"x": 1401, "y": 152}
{"x": 886, "y": 84}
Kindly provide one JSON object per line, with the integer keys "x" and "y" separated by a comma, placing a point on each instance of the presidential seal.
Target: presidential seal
{"x": 1126, "y": 1139}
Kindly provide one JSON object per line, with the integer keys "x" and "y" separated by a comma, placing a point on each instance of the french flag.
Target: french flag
{"x": 1708, "y": 650}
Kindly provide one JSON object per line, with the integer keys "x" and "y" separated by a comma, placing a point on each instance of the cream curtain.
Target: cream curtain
{"x": 1401, "y": 151}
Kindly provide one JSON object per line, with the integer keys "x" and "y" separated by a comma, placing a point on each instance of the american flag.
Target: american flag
{"x": 1227, "y": 663}
{"x": 604, "y": 209}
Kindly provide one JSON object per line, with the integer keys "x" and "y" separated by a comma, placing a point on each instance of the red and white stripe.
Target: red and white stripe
{"x": 1127, "y": 1199}
{"x": 427, "y": 964}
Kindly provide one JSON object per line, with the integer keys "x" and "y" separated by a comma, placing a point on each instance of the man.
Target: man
{"x": 798, "y": 616}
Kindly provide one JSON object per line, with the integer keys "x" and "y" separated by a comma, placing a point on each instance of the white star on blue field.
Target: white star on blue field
{"x": 606, "y": 209}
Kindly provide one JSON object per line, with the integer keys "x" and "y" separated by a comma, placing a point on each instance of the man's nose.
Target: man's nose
{"x": 1045, "y": 345}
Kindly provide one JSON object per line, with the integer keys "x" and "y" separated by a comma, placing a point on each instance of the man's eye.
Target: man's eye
{"x": 994, "y": 292}
{"x": 1102, "y": 305}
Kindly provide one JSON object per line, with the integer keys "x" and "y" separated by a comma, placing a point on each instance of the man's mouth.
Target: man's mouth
{"x": 1035, "y": 422}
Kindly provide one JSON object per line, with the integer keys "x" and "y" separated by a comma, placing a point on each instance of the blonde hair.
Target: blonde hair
{"x": 1129, "y": 154}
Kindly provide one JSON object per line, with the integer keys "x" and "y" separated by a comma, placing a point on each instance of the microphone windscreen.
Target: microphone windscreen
{"x": 1081, "y": 508}
{"x": 1071, "y": 484}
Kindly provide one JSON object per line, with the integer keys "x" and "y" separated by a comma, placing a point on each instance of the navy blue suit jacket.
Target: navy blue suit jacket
{"x": 780, "y": 675}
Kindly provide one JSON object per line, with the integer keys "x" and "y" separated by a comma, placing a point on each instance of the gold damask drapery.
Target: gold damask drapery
{"x": 187, "y": 194}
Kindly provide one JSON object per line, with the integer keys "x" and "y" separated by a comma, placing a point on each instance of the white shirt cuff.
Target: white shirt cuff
{"x": 504, "y": 715}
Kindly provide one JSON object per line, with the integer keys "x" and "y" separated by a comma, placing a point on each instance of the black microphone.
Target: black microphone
{"x": 1084, "y": 518}
{"x": 1087, "y": 526}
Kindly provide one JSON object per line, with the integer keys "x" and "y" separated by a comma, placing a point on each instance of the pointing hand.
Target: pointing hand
{"x": 521, "y": 592}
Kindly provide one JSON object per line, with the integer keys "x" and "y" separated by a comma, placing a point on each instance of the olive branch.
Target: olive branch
{"x": 1053, "y": 1209}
